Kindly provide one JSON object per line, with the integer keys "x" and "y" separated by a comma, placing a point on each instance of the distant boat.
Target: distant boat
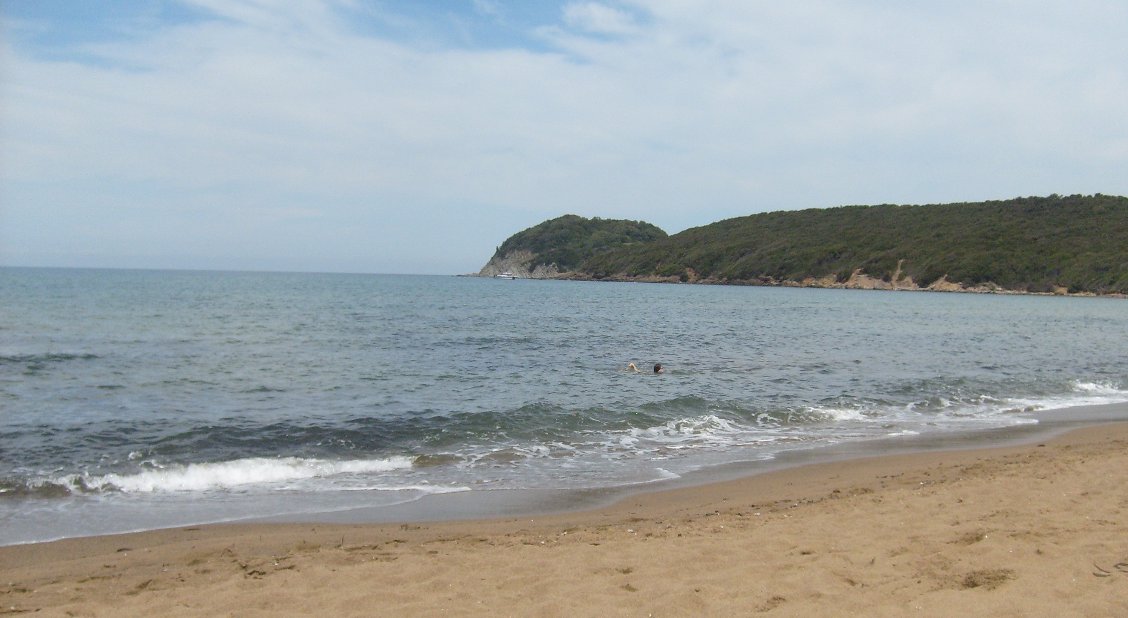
{"x": 506, "y": 275}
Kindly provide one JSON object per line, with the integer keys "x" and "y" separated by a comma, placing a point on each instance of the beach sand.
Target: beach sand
{"x": 1032, "y": 530}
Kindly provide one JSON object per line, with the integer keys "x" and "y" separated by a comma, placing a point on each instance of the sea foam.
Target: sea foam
{"x": 237, "y": 473}
{"x": 1083, "y": 394}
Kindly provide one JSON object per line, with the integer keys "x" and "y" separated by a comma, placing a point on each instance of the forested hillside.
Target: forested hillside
{"x": 1035, "y": 244}
{"x": 565, "y": 243}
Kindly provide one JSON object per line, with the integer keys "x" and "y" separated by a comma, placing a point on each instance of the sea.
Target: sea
{"x": 135, "y": 399}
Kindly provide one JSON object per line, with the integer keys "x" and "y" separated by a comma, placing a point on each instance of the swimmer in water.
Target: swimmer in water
{"x": 631, "y": 367}
{"x": 658, "y": 368}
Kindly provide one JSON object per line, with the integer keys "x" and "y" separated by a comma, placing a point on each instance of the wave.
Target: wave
{"x": 48, "y": 357}
{"x": 236, "y": 454}
{"x": 1099, "y": 388}
{"x": 14, "y": 488}
{"x": 962, "y": 401}
{"x": 1082, "y": 393}
{"x": 732, "y": 425}
{"x": 708, "y": 427}
{"x": 198, "y": 477}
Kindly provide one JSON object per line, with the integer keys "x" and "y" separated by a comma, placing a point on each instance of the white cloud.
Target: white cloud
{"x": 488, "y": 7}
{"x": 599, "y": 18}
{"x": 281, "y": 132}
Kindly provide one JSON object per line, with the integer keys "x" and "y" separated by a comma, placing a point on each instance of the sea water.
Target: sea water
{"x": 142, "y": 399}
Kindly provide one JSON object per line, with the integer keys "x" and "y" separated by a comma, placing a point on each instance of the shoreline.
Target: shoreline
{"x": 1032, "y": 527}
{"x": 500, "y": 504}
{"x": 858, "y": 281}
{"x": 490, "y": 504}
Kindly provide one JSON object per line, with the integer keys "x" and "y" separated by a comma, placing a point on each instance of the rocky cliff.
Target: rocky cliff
{"x": 521, "y": 263}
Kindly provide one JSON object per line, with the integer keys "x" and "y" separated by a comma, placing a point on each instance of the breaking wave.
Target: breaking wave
{"x": 197, "y": 477}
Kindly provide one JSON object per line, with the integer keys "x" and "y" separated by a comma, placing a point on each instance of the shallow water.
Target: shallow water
{"x": 139, "y": 399}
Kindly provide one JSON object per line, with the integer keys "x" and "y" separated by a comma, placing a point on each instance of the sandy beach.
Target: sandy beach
{"x": 1036, "y": 529}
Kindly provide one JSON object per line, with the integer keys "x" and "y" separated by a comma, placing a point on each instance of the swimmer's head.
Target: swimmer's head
{"x": 658, "y": 368}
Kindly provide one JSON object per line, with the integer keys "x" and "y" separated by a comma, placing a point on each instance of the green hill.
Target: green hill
{"x": 563, "y": 244}
{"x": 1036, "y": 244}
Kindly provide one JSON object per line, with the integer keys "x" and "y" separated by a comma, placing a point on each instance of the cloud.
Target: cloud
{"x": 303, "y": 135}
{"x": 488, "y": 7}
{"x": 599, "y": 18}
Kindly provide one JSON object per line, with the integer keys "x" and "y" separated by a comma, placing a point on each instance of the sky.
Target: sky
{"x": 398, "y": 136}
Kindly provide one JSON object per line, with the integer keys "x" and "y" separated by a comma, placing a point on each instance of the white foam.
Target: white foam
{"x": 423, "y": 489}
{"x": 691, "y": 428}
{"x": 903, "y": 433}
{"x": 1084, "y": 394}
{"x": 238, "y": 473}
{"x": 1097, "y": 388}
{"x": 840, "y": 414}
{"x": 707, "y": 431}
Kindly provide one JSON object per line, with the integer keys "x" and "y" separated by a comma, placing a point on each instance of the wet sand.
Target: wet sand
{"x": 1034, "y": 529}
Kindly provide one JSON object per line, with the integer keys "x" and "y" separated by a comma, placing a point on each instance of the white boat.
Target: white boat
{"x": 506, "y": 275}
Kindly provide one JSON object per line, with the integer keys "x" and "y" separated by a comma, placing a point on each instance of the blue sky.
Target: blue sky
{"x": 414, "y": 137}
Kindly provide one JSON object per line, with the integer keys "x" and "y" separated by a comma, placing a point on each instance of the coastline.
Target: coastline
{"x": 1018, "y": 529}
{"x": 857, "y": 281}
